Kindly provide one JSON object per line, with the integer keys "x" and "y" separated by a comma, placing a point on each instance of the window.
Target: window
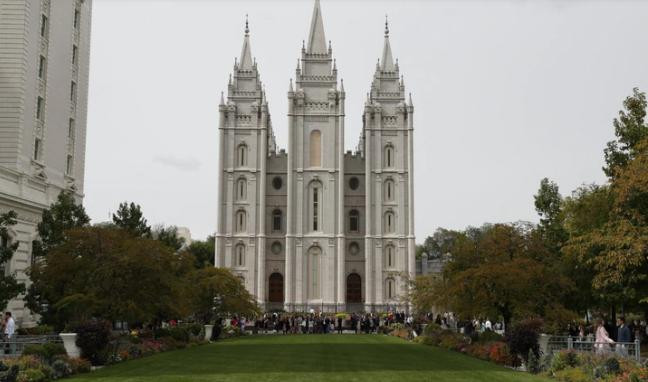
{"x": 69, "y": 165}
{"x": 40, "y": 105}
{"x": 390, "y": 289}
{"x": 71, "y": 129}
{"x": 354, "y": 221}
{"x": 354, "y": 248}
{"x": 390, "y": 256}
{"x": 240, "y": 221}
{"x": 276, "y": 248}
{"x": 242, "y": 154}
{"x": 315, "y": 148}
{"x": 240, "y": 255}
{"x": 389, "y": 190}
{"x": 37, "y": 148}
{"x": 77, "y": 19}
{"x": 354, "y": 183}
{"x": 389, "y": 156}
{"x": 75, "y": 55}
{"x": 390, "y": 222}
{"x": 314, "y": 273}
{"x": 241, "y": 189}
{"x": 43, "y": 26}
{"x": 316, "y": 204}
{"x": 41, "y": 67}
{"x": 73, "y": 91}
{"x": 276, "y": 220}
{"x": 277, "y": 183}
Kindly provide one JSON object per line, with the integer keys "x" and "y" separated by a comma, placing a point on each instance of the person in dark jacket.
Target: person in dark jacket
{"x": 623, "y": 332}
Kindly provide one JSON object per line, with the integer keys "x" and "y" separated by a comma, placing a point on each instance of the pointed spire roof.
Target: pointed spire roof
{"x": 245, "y": 62}
{"x": 316, "y": 38}
{"x": 387, "y": 57}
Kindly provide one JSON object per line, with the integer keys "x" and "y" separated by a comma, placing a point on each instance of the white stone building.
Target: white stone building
{"x": 317, "y": 227}
{"x": 44, "y": 60}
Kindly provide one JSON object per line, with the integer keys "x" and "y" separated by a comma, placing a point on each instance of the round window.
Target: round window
{"x": 276, "y": 248}
{"x": 354, "y": 183}
{"x": 354, "y": 248}
{"x": 277, "y": 183}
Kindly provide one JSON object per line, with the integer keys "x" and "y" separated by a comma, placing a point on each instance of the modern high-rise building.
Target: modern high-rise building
{"x": 44, "y": 62}
{"x": 317, "y": 227}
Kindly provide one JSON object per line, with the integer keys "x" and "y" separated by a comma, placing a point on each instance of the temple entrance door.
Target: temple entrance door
{"x": 275, "y": 291}
{"x": 354, "y": 289}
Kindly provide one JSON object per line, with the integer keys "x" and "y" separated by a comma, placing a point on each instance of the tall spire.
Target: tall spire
{"x": 387, "y": 58}
{"x": 316, "y": 38}
{"x": 245, "y": 62}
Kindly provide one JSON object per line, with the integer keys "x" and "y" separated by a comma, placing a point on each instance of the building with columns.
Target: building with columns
{"x": 317, "y": 227}
{"x": 44, "y": 62}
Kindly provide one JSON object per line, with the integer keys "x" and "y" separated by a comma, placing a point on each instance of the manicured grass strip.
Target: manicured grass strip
{"x": 309, "y": 358}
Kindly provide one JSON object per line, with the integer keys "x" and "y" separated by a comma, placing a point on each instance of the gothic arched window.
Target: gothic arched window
{"x": 239, "y": 254}
{"x": 389, "y": 190}
{"x": 390, "y": 222}
{"x": 390, "y": 256}
{"x": 389, "y": 156}
{"x": 316, "y": 199}
{"x": 240, "y": 221}
{"x": 354, "y": 221}
{"x": 390, "y": 288}
{"x": 241, "y": 189}
{"x": 276, "y": 220}
{"x": 315, "y": 148}
{"x": 241, "y": 159}
{"x": 314, "y": 259}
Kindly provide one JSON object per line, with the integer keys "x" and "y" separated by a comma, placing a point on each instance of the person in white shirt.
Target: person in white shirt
{"x": 9, "y": 330}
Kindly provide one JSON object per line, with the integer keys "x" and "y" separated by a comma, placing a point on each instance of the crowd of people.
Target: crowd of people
{"x": 319, "y": 323}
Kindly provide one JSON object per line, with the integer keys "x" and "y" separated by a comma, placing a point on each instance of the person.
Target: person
{"x": 603, "y": 340}
{"x": 339, "y": 324}
{"x": 623, "y": 336}
{"x": 9, "y": 330}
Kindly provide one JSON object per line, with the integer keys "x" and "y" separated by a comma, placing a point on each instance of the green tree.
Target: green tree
{"x": 203, "y": 251}
{"x": 439, "y": 243}
{"x": 548, "y": 203}
{"x": 9, "y": 285}
{"x": 630, "y": 129}
{"x": 169, "y": 237}
{"x": 131, "y": 218}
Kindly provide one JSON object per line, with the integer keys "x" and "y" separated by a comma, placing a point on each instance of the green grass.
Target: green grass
{"x": 308, "y": 358}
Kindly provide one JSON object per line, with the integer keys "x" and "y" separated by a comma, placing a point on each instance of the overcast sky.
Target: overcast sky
{"x": 505, "y": 93}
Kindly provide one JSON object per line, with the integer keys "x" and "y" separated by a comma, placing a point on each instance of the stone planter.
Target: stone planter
{"x": 208, "y": 332}
{"x": 69, "y": 343}
{"x": 543, "y": 343}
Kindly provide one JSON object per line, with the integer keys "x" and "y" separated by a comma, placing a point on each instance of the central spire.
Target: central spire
{"x": 387, "y": 58}
{"x": 246, "y": 54}
{"x": 316, "y": 38}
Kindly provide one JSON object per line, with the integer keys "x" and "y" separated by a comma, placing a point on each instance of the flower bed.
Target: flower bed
{"x": 571, "y": 366}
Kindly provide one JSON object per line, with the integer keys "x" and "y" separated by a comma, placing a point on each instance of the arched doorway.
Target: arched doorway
{"x": 354, "y": 288}
{"x": 275, "y": 291}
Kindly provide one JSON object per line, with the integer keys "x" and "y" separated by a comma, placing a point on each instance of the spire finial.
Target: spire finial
{"x": 386, "y": 26}
{"x": 247, "y": 25}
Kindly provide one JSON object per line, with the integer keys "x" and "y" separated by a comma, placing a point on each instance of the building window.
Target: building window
{"x": 240, "y": 221}
{"x": 389, "y": 156}
{"x": 354, "y": 183}
{"x": 390, "y": 289}
{"x": 241, "y": 189}
{"x": 69, "y": 165}
{"x": 40, "y": 105}
{"x": 314, "y": 273}
{"x": 37, "y": 149}
{"x": 316, "y": 206}
{"x": 75, "y": 55}
{"x": 242, "y": 155}
{"x": 315, "y": 148}
{"x": 71, "y": 129}
{"x": 390, "y": 256}
{"x": 276, "y": 220}
{"x": 44, "y": 26}
{"x": 354, "y": 248}
{"x": 389, "y": 190}
{"x": 73, "y": 91}
{"x": 354, "y": 221}
{"x": 41, "y": 67}
{"x": 240, "y": 255}
{"x": 77, "y": 19}
{"x": 276, "y": 248}
{"x": 277, "y": 183}
{"x": 390, "y": 222}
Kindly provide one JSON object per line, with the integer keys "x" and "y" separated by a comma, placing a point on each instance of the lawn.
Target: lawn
{"x": 308, "y": 358}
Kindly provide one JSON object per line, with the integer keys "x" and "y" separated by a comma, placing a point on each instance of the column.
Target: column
{"x": 261, "y": 241}
{"x": 341, "y": 245}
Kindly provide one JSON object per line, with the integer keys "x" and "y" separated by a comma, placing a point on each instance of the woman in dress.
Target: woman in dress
{"x": 603, "y": 340}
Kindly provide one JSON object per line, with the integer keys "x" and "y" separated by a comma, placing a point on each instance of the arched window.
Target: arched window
{"x": 389, "y": 190}
{"x": 390, "y": 222}
{"x": 240, "y": 221}
{"x": 315, "y": 148}
{"x": 389, "y": 156}
{"x": 241, "y": 189}
{"x": 314, "y": 259}
{"x": 276, "y": 220}
{"x": 241, "y": 159}
{"x": 390, "y": 256}
{"x": 390, "y": 289}
{"x": 354, "y": 221}
{"x": 316, "y": 199}
{"x": 239, "y": 254}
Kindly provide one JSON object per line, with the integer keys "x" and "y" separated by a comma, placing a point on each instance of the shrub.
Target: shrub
{"x": 61, "y": 369}
{"x": 8, "y": 373}
{"x": 489, "y": 336}
{"x": 31, "y": 375}
{"x": 46, "y": 352}
{"x": 93, "y": 337}
{"x": 39, "y": 330}
{"x": 564, "y": 359}
{"x": 179, "y": 334}
{"x": 612, "y": 365}
{"x": 572, "y": 375}
{"x": 161, "y": 332}
{"x": 533, "y": 363}
{"x": 79, "y": 365}
{"x": 195, "y": 329}
{"x": 498, "y": 352}
{"x": 524, "y": 337}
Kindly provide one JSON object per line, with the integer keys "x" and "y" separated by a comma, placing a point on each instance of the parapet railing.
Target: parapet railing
{"x": 14, "y": 346}
{"x": 623, "y": 349}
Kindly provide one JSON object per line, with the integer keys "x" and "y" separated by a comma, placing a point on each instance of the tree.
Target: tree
{"x": 9, "y": 285}
{"x": 630, "y": 129}
{"x": 548, "y": 202}
{"x": 203, "y": 252}
{"x": 131, "y": 218}
{"x": 108, "y": 273}
{"x": 169, "y": 237}
{"x": 63, "y": 215}
{"x": 209, "y": 283}
{"x": 439, "y": 243}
